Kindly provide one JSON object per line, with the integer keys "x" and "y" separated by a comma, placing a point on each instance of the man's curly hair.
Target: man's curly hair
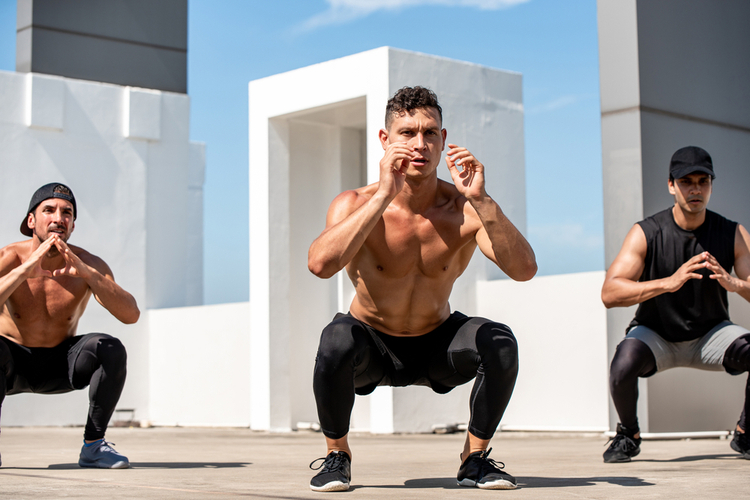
{"x": 409, "y": 99}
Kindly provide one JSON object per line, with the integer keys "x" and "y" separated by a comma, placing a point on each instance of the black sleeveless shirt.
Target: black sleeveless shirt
{"x": 701, "y": 304}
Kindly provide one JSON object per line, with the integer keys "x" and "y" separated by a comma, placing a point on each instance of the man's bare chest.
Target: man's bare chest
{"x": 48, "y": 297}
{"x": 426, "y": 246}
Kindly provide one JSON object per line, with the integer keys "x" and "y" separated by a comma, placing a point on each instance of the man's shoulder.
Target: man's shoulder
{"x": 87, "y": 257}
{"x": 656, "y": 223}
{"x": 451, "y": 196}
{"x": 352, "y": 198}
{"x": 11, "y": 253}
{"x": 659, "y": 218}
{"x": 715, "y": 216}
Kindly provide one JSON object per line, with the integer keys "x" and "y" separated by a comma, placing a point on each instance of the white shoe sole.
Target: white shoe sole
{"x": 500, "y": 484}
{"x": 332, "y": 486}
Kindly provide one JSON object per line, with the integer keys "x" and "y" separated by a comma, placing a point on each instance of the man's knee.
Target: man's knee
{"x": 737, "y": 355}
{"x": 111, "y": 352}
{"x": 497, "y": 345}
{"x": 339, "y": 344}
{"x": 632, "y": 359}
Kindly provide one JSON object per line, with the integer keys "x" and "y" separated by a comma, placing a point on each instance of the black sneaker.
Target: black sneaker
{"x": 741, "y": 444}
{"x": 482, "y": 472}
{"x": 336, "y": 473}
{"x": 624, "y": 446}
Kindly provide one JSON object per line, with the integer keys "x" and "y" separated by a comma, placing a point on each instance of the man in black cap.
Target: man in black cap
{"x": 676, "y": 265}
{"x": 45, "y": 285}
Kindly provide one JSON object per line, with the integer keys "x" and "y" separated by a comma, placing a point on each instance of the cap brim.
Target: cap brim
{"x": 679, "y": 173}
{"x": 25, "y": 229}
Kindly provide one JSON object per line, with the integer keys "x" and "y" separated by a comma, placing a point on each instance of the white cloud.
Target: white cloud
{"x": 555, "y": 104}
{"x": 344, "y": 11}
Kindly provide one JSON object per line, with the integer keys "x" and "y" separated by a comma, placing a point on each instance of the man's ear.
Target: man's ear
{"x": 670, "y": 184}
{"x": 383, "y": 136}
{"x": 31, "y": 221}
{"x": 445, "y": 135}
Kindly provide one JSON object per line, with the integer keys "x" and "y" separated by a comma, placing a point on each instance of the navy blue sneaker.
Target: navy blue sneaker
{"x": 336, "y": 472}
{"x": 481, "y": 471}
{"x": 102, "y": 455}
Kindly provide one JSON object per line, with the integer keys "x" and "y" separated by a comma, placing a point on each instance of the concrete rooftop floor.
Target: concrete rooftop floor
{"x": 193, "y": 463}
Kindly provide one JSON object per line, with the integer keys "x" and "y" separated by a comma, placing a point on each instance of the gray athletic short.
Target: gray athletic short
{"x": 705, "y": 353}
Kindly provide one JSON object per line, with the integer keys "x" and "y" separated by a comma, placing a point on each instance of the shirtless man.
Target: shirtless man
{"x": 45, "y": 285}
{"x": 404, "y": 241}
{"x": 676, "y": 265}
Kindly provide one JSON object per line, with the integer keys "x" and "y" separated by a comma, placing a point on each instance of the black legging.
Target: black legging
{"x": 97, "y": 360}
{"x": 634, "y": 359}
{"x": 355, "y": 358}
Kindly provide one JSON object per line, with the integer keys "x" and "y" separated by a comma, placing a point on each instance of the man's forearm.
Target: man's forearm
{"x": 10, "y": 282}
{"x": 742, "y": 288}
{"x": 338, "y": 244}
{"x": 510, "y": 250}
{"x": 622, "y": 292}
{"x": 114, "y": 298}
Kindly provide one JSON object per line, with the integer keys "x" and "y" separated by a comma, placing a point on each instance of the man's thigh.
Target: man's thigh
{"x": 346, "y": 341}
{"x": 39, "y": 369}
{"x": 705, "y": 353}
{"x": 715, "y": 343}
{"x": 462, "y": 348}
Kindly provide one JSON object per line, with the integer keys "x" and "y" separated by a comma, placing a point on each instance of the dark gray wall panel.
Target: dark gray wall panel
{"x": 127, "y": 42}
{"x": 693, "y": 58}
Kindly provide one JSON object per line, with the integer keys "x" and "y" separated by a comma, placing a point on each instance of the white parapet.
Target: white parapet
{"x": 138, "y": 182}
{"x": 314, "y": 133}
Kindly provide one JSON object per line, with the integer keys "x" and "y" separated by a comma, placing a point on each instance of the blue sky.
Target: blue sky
{"x": 552, "y": 43}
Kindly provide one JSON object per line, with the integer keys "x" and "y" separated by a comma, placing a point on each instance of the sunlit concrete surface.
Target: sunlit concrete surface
{"x": 193, "y": 463}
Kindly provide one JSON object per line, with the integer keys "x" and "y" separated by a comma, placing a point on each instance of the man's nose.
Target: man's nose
{"x": 418, "y": 141}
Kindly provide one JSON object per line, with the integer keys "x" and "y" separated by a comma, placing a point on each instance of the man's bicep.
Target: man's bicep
{"x": 630, "y": 262}
{"x": 742, "y": 253}
{"x": 342, "y": 207}
{"x": 8, "y": 260}
{"x": 98, "y": 264}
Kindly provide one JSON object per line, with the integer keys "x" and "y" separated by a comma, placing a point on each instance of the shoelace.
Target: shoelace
{"x": 105, "y": 446}
{"x": 332, "y": 464}
{"x": 488, "y": 463}
{"x": 615, "y": 440}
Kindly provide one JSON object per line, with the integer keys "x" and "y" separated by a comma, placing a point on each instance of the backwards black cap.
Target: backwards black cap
{"x": 689, "y": 160}
{"x": 52, "y": 190}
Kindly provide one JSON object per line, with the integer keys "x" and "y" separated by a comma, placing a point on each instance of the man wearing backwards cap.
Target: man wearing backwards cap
{"x": 45, "y": 285}
{"x": 675, "y": 265}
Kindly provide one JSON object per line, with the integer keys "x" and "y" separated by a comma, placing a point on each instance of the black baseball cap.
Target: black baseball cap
{"x": 689, "y": 160}
{"x": 51, "y": 190}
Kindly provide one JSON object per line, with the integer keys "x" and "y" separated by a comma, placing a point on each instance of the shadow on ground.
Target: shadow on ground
{"x": 694, "y": 458}
{"x": 148, "y": 465}
{"x": 449, "y": 483}
{"x": 562, "y": 482}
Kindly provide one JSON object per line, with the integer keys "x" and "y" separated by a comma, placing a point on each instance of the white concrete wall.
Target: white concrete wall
{"x": 660, "y": 91}
{"x": 199, "y": 375}
{"x": 560, "y": 324}
{"x": 126, "y": 155}
{"x": 308, "y": 143}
